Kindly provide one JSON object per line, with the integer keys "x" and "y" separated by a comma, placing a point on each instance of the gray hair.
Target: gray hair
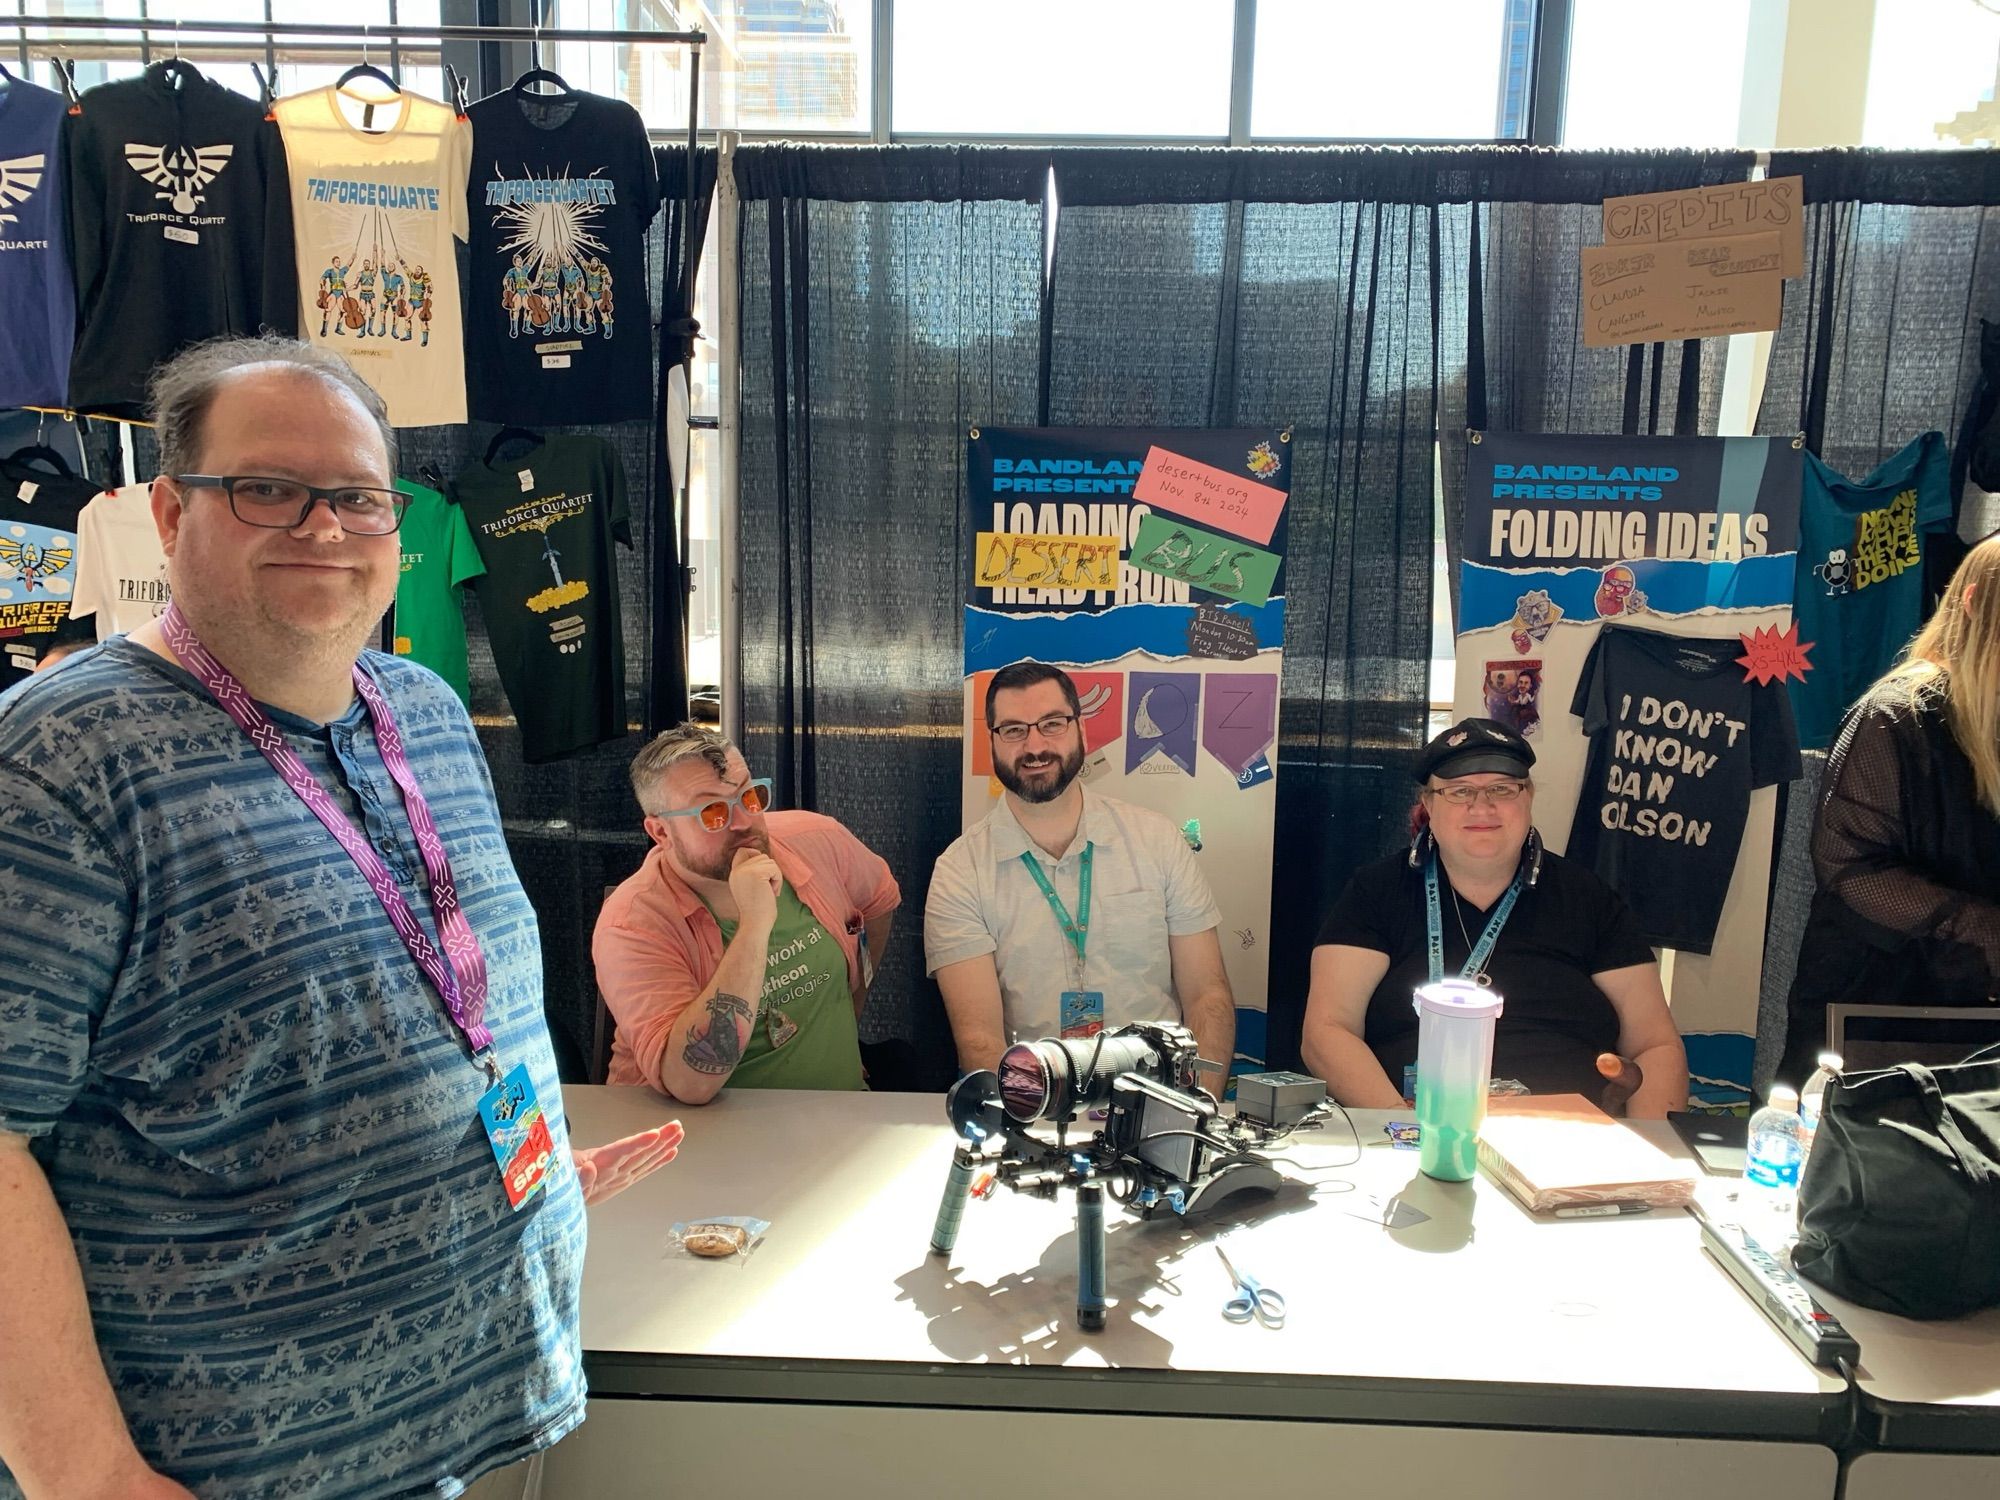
{"x": 666, "y": 750}
{"x": 184, "y": 388}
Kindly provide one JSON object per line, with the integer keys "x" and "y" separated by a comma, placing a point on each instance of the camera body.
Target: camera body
{"x": 1164, "y": 1144}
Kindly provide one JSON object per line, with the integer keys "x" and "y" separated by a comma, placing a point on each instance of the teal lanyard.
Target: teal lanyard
{"x": 1077, "y": 928}
{"x": 1475, "y": 961}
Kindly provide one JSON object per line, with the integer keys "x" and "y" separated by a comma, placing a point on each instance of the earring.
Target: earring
{"x": 1420, "y": 847}
{"x": 1534, "y": 854}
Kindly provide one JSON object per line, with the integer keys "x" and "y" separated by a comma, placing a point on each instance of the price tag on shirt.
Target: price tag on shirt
{"x": 518, "y": 1134}
{"x": 527, "y": 478}
{"x": 27, "y": 492}
{"x": 555, "y": 361}
{"x": 179, "y": 235}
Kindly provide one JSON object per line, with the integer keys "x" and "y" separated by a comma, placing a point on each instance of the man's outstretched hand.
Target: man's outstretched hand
{"x": 1622, "y": 1079}
{"x": 606, "y": 1171}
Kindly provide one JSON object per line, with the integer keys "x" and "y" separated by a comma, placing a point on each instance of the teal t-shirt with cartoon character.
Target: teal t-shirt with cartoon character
{"x": 805, "y": 1036}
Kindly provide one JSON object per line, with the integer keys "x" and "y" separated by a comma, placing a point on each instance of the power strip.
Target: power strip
{"x": 1817, "y": 1333}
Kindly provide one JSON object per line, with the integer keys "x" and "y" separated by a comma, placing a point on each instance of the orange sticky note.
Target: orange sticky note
{"x": 1200, "y": 492}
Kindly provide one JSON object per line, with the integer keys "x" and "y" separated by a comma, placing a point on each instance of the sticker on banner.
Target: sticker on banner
{"x": 1201, "y": 492}
{"x": 1535, "y": 614}
{"x": 1771, "y": 655}
{"x": 1018, "y": 560}
{"x": 1255, "y": 774}
{"x": 1618, "y": 593}
{"x": 1166, "y": 714}
{"x": 1203, "y": 560}
{"x": 1239, "y": 717}
{"x": 1513, "y": 693}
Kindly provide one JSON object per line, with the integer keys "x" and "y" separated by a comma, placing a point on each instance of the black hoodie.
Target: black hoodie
{"x": 180, "y": 215}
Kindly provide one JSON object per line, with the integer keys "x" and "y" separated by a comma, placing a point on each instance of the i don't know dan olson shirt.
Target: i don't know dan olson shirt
{"x": 1679, "y": 738}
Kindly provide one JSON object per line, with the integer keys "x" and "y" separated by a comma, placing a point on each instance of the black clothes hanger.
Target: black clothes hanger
{"x": 366, "y": 69}
{"x": 176, "y": 73}
{"x": 542, "y": 75}
{"x": 512, "y": 434}
{"x": 429, "y": 474}
{"x": 42, "y": 453}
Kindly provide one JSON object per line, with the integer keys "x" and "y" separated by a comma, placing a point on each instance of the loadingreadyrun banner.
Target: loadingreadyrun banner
{"x": 1148, "y": 563}
{"x": 1695, "y": 537}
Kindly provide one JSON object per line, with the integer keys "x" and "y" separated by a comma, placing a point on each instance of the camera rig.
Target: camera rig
{"x": 1164, "y": 1146}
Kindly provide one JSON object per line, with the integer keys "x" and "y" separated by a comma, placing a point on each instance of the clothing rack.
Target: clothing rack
{"x": 176, "y": 30}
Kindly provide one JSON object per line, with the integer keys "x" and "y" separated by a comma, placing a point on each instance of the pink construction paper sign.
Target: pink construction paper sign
{"x": 1197, "y": 491}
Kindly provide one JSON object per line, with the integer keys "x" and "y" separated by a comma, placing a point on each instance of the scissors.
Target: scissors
{"x": 1252, "y": 1299}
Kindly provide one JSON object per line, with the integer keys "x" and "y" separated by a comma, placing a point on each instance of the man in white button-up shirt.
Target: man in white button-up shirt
{"x": 1064, "y": 911}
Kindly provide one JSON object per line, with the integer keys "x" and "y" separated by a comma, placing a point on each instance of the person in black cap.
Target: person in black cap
{"x": 1477, "y": 897}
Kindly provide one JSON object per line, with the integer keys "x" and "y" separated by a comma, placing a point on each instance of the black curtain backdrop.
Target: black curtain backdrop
{"x": 572, "y": 826}
{"x": 1880, "y": 340}
{"x": 890, "y": 302}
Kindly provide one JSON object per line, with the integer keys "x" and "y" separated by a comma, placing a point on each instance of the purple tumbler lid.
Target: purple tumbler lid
{"x": 1459, "y": 997}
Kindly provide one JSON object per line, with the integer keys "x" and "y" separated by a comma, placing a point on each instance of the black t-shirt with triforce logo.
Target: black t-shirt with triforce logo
{"x": 558, "y": 323}
{"x": 38, "y": 564}
{"x": 544, "y": 524}
{"x": 1679, "y": 738}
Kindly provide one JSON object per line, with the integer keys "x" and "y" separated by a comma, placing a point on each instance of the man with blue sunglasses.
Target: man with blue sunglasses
{"x": 739, "y": 953}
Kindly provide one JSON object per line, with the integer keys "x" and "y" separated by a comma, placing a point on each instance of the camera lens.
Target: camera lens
{"x": 1025, "y": 1081}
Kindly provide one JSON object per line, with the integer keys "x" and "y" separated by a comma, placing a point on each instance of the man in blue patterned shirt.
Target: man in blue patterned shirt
{"x": 256, "y": 1241}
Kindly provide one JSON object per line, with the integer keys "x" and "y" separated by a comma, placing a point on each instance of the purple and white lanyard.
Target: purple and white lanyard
{"x": 459, "y": 972}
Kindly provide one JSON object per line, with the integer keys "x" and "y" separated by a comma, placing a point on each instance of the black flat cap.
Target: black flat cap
{"x": 1474, "y": 745}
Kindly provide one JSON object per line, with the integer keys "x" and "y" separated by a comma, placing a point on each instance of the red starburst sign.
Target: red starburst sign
{"x": 1772, "y": 655}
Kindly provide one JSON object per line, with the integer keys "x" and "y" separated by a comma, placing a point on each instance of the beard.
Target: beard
{"x": 1044, "y": 788}
{"x": 715, "y": 864}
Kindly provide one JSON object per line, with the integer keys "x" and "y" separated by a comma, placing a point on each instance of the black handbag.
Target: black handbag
{"x": 1900, "y": 1205}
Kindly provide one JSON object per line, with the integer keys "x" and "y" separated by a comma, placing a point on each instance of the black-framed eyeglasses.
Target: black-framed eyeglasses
{"x": 714, "y": 815}
{"x": 1051, "y": 727}
{"x": 284, "y": 504}
{"x": 1462, "y": 794}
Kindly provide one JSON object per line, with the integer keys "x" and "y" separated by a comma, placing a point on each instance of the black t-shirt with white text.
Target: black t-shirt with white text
{"x": 1563, "y": 929}
{"x": 558, "y": 323}
{"x": 1679, "y": 738}
{"x": 544, "y": 524}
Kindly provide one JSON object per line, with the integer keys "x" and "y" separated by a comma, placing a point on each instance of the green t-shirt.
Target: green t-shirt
{"x": 805, "y": 1037}
{"x": 439, "y": 558}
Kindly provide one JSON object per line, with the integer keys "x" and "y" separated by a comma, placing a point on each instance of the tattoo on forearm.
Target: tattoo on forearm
{"x": 714, "y": 1045}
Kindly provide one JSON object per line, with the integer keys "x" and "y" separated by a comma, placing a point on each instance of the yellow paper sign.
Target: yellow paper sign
{"x": 1636, "y": 294}
{"x": 1019, "y": 560}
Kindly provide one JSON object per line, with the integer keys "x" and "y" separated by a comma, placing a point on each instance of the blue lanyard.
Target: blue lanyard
{"x": 1475, "y": 961}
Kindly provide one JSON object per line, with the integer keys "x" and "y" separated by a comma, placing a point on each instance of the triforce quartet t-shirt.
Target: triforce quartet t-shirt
{"x": 1679, "y": 737}
{"x": 121, "y": 569}
{"x": 805, "y": 1036}
{"x": 378, "y": 197}
{"x": 558, "y": 321}
{"x": 439, "y": 559}
{"x": 38, "y": 524}
{"x": 544, "y": 523}
{"x": 1859, "y": 592}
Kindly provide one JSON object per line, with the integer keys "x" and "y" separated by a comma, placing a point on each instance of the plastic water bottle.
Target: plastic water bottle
{"x": 1771, "y": 1171}
{"x": 1812, "y": 1098}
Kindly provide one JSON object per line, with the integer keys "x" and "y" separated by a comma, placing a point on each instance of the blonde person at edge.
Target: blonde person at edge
{"x": 992, "y": 935}
{"x": 1585, "y": 1012}
{"x": 739, "y": 953}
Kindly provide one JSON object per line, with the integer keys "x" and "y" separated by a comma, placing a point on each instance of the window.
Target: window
{"x": 1421, "y": 70}
{"x": 1932, "y": 61}
{"x": 1657, "y": 72}
{"x": 1087, "y": 67}
{"x": 769, "y": 66}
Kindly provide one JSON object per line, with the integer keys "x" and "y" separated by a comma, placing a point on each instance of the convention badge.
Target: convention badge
{"x": 780, "y": 1027}
{"x": 1409, "y": 1081}
{"x": 1082, "y": 1013}
{"x": 518, "y": 1134}
{"x": 1402, "y": 1134}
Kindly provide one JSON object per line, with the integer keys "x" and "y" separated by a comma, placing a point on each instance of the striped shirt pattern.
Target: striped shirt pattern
{"x": 259, "y": 1122}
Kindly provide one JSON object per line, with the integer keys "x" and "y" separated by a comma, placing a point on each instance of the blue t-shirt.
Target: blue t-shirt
{"x": 1859, "y": 590}
{"x": 302, "y": 1271}
{"x": 35, "y": 284}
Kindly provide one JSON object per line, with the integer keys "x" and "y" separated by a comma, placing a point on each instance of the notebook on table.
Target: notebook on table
{"x": 1561, "y": 1151}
